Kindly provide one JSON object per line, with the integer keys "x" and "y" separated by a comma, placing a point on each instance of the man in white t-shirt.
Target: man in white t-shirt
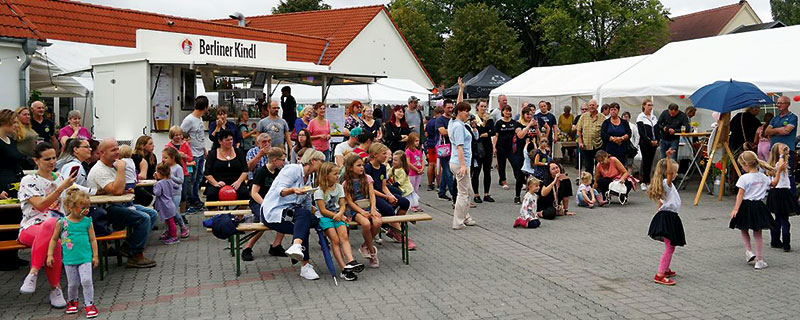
{"x": 108, "y": 177}
{"x": 349, "y": 145}
{"x": 193, "y": 126}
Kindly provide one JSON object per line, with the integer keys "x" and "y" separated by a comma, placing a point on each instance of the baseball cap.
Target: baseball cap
{"x": 412, "y": 98}
{"x": 356, "y": 132}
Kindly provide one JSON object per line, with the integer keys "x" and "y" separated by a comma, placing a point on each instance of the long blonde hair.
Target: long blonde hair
{"x": 22, "y": 129}
{"x": 324, "y": 170}
{"x": 656, "y": 190}
{"x": 750, "y": 159}
{"x": 775, "y": 152}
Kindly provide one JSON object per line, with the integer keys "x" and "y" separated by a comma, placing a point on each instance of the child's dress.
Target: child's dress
{"x": 763, "y": 144}
{"x": 76, "y": 252}
{"x": 527, "y": 212}
{"x": 539, "y": 171}
{"x": 164, "y": 190}
{"x": 780, "y": 200}
{"x": 666, "y": 223}
{"x": 401, "y": 178}
{"x": 753, "y": 213}
{"x": 415, "y": 158}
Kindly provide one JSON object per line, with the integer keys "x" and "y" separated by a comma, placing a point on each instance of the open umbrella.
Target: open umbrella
{"x": 326, "y": 253}
{"x": 727, "y": 96}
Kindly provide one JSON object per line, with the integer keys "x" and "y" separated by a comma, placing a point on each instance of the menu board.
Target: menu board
{"x": 162, "y": 96}
{"x": 336, "y": 118}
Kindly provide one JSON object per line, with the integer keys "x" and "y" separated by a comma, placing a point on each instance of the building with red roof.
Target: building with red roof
{"x": 712, "y": 22}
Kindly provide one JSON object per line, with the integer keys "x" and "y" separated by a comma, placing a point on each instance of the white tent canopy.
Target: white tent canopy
{"x": 559, "y": 84}
{"x": 764, "y": 58}
{"x": 384, "y": 91}
{"x": 65, "y": 57}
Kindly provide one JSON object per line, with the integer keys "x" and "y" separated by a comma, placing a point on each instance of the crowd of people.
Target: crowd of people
{"x": 295, "y": 179}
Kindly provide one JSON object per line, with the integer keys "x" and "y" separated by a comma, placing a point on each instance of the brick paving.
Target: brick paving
{"x": 595, "y": 265}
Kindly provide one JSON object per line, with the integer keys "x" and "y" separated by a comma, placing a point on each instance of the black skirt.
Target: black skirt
{"x": 752, "y": 215}
{"x": 781, "y": 202}
{"x": 667, "y": 224}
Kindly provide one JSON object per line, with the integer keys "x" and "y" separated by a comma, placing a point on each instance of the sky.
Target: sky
{"x": 214, "y": 9}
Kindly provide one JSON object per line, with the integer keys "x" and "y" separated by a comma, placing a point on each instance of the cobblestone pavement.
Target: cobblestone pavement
{"x": 598, "y": 264}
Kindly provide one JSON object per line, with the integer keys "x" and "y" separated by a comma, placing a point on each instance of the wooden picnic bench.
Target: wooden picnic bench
{"x": 251, "y": 229}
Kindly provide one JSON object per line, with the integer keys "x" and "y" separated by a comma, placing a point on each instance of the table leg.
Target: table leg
{"x": 235, "y": 247}
{"x": 404, "y": 236}
{"x": 103, "y": 261}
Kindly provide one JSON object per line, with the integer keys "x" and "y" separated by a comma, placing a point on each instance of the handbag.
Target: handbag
{"x": 747, "y": 145}
{"x": 442, "y": 149}
{"x": 631, "y": 150}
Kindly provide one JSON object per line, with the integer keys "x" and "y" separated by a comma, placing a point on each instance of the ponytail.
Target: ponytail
{"x": 751, "y": 160}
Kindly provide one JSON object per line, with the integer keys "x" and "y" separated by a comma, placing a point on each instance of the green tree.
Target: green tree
{"x": 479, "y": 38}
{"x": 420, "y": 35}
{"x": 521, "y": 15}
{"x": 786, "y": 11}
{"x": 287, "y": 6}
{"x": 591, "y": 30}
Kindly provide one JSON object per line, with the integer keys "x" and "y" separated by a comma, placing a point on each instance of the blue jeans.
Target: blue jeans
{"x": 447, "y": 178}
{"x": 297, "y": 226}
{"x": 666, "y": 145}
{"x": 197, "y": 177}
{"x": 139, "y": 224}
{"x": 152, "y": 214}
{"x": 327, "y": 154}
{"x": 582, "y": 201}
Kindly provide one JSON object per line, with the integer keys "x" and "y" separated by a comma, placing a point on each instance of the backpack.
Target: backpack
{"x": 223, "y": 226}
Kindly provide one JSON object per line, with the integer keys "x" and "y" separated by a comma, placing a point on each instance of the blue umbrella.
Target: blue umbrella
{"x": 326, "y": 253}
{"x": 727, "y": 96}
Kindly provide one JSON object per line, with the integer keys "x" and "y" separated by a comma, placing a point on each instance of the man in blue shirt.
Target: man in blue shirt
{"x": 447, "y": 177}
{"x": 783, "y": 128}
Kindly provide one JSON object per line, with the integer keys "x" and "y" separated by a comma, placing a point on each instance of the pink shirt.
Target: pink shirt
{"x": 316, "y": 129}
{"x": 415, "y": 159}
{"x": 67, "y": 132}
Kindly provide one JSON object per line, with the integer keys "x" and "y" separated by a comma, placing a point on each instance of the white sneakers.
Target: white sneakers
{"x": 28, "y": 285}
{"x": 295, "y": 252}
{"x": 749, "y": 256}
{"x": 643, "y": 186}
{"x": 307, "y": 271}
{"x": 760, "y": 264}
{"x": 57, "y": 298}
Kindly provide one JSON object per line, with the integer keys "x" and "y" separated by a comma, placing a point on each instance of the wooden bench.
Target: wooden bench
{"x": 239, "y": 213}
{"x": 251, "y": 229}
{"x": 227, "y": 204}
{"x": 8, "y": 245}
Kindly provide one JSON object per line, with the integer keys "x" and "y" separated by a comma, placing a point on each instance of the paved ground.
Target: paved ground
{"x": 596, "y": 265}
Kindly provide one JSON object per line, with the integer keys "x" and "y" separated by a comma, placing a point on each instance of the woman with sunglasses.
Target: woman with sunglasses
{"x": 352, "y": 116}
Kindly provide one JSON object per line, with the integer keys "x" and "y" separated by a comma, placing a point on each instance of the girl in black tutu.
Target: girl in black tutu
{"x": 750, "y": 213}
{"x": 780, "y": 200}
{"x": 666, "y": 226}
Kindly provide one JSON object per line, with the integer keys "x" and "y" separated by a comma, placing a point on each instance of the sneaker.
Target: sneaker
{"x": 643, "y": 186}
{"x": 277, "y": 251}
{"x": 749, "y": 256}
{"x": 470, "y": 222}
{"x": 373, "y": 260}
{"x": 776, "y": 245}
{"x": 787, "y": 247}
{"x": 349, "y": 276}
{"x": 471, "y": 205}
{"x": 57, "y": 299}
{"x": 364, "y": 251}
{"x": 760, "y": 264}
{"x": 140, "y": 261}
{"x": 164, "y": 236}
{"x": 431, "y": 187}
{"x": 519, "y": 223}
{"x": 445, "y": 198}
{"x": 394, "y": 235}
{"x": 29, "y": 284}
{"x": 72, "y": 307}
{"x": 185, "y": 233}
{"x": 488, "y": 199}
{"x": 461, "y": 227}
{"x": 354, "y": 266}
{"x": 477, "y": 199}
{"x": 411, "y": 245}
{"x": 669, "y": 273}
{"x": 247, "y": 254}
{"x": 517, "y": 200}
{"x": 295, "y": 252}
{"x": 663, "y": 280}
{"x": 505, "y": 186}
{"x": 307, "y": 271}
{"x": 91, "y": 311}
{"x": 173, "y": 240}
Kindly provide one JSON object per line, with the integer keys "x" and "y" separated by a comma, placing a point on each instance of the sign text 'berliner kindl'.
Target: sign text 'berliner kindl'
{"x": 236, "y": 50}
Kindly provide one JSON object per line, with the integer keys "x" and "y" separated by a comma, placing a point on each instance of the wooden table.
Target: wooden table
{"x": 146, "y": 183}
{"x": 9, "y": 227}
{"x": 101, "y": 199}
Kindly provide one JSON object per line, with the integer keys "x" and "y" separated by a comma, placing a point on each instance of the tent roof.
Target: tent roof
{"x": 573, "y": 80}
{"x": 385, "y": 91}
{"x": 680, "y": 68}
{"x": 480, "y": 85}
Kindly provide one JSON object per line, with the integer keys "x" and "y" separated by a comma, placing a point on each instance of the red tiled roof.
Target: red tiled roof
{"x": 702, "y": 24}
{"x": 339, "y": 26}
{"x": 87, "y": 23}
{"x": 13, "y": 24}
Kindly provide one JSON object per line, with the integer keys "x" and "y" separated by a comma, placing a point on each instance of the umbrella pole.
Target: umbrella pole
{"x": 710, "y": 158}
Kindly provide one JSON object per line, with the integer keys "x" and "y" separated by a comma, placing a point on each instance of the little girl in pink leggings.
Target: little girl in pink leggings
{"x": 666, "y": 225}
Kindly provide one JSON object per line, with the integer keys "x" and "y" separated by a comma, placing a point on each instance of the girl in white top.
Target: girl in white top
{"x": 750, "y": 213}
{"x": 528, "y": 213}
{"x": 780, "y": 200}
{"x": 666, "y": 225}
{"x": 586, "y": 195}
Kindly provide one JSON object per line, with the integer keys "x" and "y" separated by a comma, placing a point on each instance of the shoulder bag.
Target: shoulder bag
{"x": 442, "y": 148}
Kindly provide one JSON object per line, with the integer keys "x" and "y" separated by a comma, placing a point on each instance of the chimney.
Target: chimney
{"x": 239, "y": 16}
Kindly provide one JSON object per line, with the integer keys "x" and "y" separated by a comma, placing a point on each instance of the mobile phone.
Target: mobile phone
{"x": 74, "y": 171}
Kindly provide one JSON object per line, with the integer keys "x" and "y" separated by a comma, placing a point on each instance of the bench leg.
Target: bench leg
{"x": 117, "y": 246}
{"x": 404, "y": 238}
{"x": 235, "y": 247}
{"x": 232, "y": 245}
{"x": 103, "y": 261}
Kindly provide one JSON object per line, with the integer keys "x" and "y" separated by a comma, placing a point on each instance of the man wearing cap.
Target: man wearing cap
{"x": 414, "y": 117}
{"x": 348, "y": 145}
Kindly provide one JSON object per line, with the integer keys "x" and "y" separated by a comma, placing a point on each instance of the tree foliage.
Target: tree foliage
{"x": 479, "y": 37}
{"x": 592, "y": 30}
{"x": 425, "y": 42}
{"x": 786, "y": 11}
{"x": 287, "y": 6}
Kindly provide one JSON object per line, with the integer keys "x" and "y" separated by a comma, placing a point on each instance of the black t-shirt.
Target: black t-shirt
{"x": 263, "y": 178}
{"x": 378, "y": 175}
{"x": 487, "y": 128}
{"x": 45, "y": 129}
{"x": 227, "y": 171}
{"x": 505, "y": 131}
{"x": 10, "y": 166}
{"x": 151, "y": 165}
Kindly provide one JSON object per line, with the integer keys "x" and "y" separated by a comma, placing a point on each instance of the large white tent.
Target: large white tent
{"x": 384, "y": 91}
{"x": 562, "y": 85}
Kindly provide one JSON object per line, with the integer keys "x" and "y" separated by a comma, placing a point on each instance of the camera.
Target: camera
{"x": 471, "y": 117}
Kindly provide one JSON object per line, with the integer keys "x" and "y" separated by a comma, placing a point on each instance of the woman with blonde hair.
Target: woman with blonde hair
{"x": 25, "y": 136}
{"x": 302, "y": 122}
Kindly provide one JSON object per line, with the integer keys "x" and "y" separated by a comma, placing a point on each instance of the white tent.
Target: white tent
{"x": 65, "y": 57}
{"x": 385, "y": 91}
{"x": 562, "y": 85}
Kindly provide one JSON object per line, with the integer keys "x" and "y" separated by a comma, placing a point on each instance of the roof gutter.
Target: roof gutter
{"x": 325, "y": 49}
{"x": 29, "y": 48}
